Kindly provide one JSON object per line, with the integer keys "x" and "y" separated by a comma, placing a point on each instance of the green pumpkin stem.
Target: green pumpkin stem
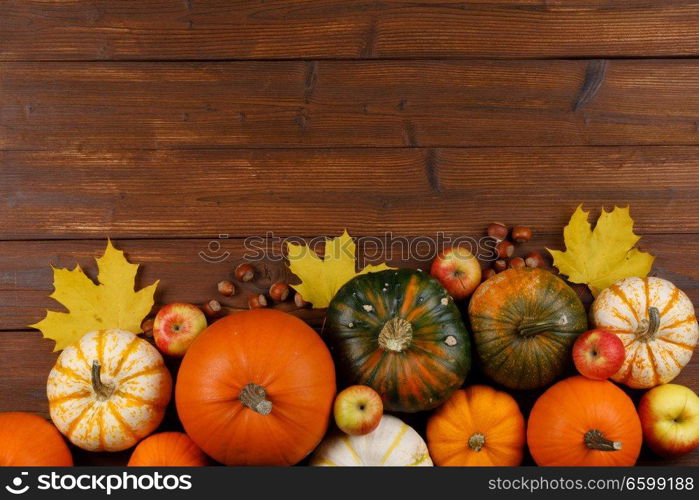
{"x": 254, "y": 397}
{"x": 476, "y": 442}
{"x": 102, "y": 390}
{"x": 595, "y": 440}
{"x": 396, "y": 335}
{"x": 648, "y": 328}
{"x": 531, "y": 328}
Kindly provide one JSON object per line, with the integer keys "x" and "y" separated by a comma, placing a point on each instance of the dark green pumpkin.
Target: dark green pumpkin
{"x": 399, "y": 332}
{"x": 524, "y": 323}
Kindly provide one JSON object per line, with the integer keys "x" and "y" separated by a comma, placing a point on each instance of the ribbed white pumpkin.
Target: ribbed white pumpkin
{"x": 108, "y": 391}
{"x": 657, "y": 324}
{"x": 392, "y": 443}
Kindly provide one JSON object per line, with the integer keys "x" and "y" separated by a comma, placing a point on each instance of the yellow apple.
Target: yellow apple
{"x": 670, "y": 419}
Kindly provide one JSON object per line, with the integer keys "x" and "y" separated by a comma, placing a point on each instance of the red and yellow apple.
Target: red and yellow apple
{"x": 670, "y": 419}
{"x": 598, "y": 354}
{"x": 358, "y": 410}
{"x": 176, "y": 326}
{"x": 458, "y": 270}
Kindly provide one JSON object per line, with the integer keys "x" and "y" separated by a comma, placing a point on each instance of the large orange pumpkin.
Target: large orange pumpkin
{"x": 168, "y": 449}
{"x": 477, "y": 426}
{"x": 30, "y": 441}
{"x": 256, "y": 388}
{"x": 583, "y": 422}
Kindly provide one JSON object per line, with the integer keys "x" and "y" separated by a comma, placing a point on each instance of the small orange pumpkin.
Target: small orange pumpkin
{"x": 583, "y": 422}
{"x": 477, "y": 426}
{"x": 30, "y": 441}
{"x": 168, "y": 449}
{"x": 256, "y": 388}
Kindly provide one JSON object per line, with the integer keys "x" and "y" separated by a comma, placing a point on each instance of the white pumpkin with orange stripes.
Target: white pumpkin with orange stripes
{"x": 657, "y": 324}
{"x": 108, "y": 391}
{"x": 392, "y": 443}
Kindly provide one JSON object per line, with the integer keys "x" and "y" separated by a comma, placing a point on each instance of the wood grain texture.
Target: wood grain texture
{"x": 88, "y": 106}
{"x": 204, "y": 193}
{"x": 282, "y": 29}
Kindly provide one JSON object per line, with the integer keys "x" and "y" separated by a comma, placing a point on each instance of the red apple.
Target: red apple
{"x": 598, "y": 354}
{"x": 358, "y": 410}
{"x": 670, "y": 419}
{"x": 176, "y": 326}
{"x": 458, "y": 271}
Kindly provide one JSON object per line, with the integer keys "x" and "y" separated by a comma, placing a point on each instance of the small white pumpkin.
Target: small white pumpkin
{"x": 657, "y": 324}
{"x": 108, "y": 391}
{"x": 392, "y": 443}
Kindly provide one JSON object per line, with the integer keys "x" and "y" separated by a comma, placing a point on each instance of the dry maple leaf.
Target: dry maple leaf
{"x": 601, "y": 257}
{"x": 321, "y": 278}
{"x": 112, "y": 303}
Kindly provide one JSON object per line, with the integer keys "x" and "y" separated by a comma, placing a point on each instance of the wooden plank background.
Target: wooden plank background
{"x": 165, "y": 124}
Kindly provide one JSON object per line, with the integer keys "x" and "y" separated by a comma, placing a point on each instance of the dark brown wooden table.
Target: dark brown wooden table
{"x": 164, "y": 124}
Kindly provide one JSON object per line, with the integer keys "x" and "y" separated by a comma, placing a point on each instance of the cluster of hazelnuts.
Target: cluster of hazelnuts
{"x": 505, "y": 249}
{"x": 278, "y": 292}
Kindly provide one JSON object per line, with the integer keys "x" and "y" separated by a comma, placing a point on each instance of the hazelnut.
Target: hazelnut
{"x": 257, "y": 301}
{"x": 212, "y": 308}
{"x": 226, "y": 288}
{"x": 279, "y": 291}
{"x": 147, "y": 327}
{"x": 516, "y": 263}
{"x": 488, "y": 273}
{"x": 521, "y": 234}
{"x": 244, "y": 272}
{"x": 499, "y": 265}
{"x": 298, "y": 300}
{"x": 505, "y": 249}
{"x": 497, "y": 230}
{"x": 534, "y": 259}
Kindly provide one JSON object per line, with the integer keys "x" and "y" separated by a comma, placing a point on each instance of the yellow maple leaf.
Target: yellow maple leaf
{"x": 601, "y": 257}
{"x": 112, "y": 303}
{"x": 321, "y": 278}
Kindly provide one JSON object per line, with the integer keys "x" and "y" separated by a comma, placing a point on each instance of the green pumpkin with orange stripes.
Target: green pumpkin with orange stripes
{"x": 524, "y": 323}
{"x": 399, "y": 332}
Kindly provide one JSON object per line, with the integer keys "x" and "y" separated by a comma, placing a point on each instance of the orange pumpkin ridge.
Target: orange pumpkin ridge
{"x": 168, "y": 449}
{"x": 583, "y": 422}
{"x": 256, "y": 388}
{"x": 30, "y": 441}
{"x": 477, "y": 426}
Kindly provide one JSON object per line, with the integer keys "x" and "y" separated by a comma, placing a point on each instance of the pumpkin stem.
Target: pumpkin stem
{"x": 102, "y": 390}
{"x": 396, "y": 335}
{"x": 476, "y": 442}
{"x": 648, "y": 328}
{"x": 530, "y": 328}
{"x": 255, "y": 397}
{"x": 595, "y": 440}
